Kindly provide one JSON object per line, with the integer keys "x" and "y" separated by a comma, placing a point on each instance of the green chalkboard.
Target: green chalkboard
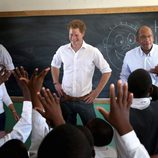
{"x": 33, "y": 40}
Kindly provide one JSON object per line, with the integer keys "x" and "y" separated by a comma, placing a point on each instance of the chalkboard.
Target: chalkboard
{"x": 33, "y": 40}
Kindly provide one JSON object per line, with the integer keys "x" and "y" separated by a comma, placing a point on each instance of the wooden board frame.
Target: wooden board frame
{"x": 79, "y": 11}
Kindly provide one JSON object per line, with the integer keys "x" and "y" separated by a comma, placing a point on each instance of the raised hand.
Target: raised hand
{"x": 4, "y": 74}
{"x": 52, "y": 111}
{"x": 118, "y": 116}
{"x": 36, "y": 81}
{"x": 35, "y": 84}
{"x": 19, "y": 73}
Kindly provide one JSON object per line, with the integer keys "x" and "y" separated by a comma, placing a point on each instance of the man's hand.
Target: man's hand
{"x": 4, "y": 75}
{"x": 118, "y": 116}
{"x": 91, "y": 97}
{"x": 58, "y": 89}
{"x": 154, "y": 70}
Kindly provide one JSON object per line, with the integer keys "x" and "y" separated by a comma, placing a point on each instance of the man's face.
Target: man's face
{"x": 75, "y": 36}
{"x": 145, "y": 39}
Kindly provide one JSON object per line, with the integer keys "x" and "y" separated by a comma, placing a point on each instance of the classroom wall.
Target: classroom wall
{"x": 21, "y": 5}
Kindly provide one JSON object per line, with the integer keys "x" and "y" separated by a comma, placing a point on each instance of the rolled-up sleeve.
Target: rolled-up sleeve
{"x": 23, "y": 127}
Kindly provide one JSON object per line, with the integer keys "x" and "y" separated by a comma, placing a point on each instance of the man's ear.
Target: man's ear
{"x": 150, "y": 91}
{"x": 154, "y": 92}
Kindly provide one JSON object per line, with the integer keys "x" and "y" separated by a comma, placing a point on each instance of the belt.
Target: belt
{"x": 70, "y": 98}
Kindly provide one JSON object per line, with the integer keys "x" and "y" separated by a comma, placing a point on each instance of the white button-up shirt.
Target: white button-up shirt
{"x": 78, "y": 68}
{"x": 5, "y": 58}
{"x": 129, "y": 146}
{"x": 135, "y": 59}
{"x": 4, "y": 97}
{"x": 23, "y": 127}
{"x": 40, "y": 129}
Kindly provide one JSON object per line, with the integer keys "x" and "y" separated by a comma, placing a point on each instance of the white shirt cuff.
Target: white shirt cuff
{"x": 130, "y": 140}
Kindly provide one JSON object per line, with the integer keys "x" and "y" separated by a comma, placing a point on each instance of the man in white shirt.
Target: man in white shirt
{"x": 5, "y": 58}
{"x": 79, "y": 60}
{"x": 144, "y": 56}
{"x": 5, "y": 63}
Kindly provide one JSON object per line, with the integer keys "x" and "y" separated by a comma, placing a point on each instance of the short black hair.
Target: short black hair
{"x": 65, "y": 141}
{"x": 101, "y": 130}
{"x": 140, "y": 83}
{"x": 13, "y": 148}
{"x": 87, "y": 133}
{"x": 89, "y": 136}
{"x": 142, "y": 27}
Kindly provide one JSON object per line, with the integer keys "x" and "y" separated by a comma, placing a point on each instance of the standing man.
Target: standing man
{"x": 5, "y": 58}
{"x": 79, "y": 60}
{"x": 6, "y": 66}
{"x": 144, "y": 56}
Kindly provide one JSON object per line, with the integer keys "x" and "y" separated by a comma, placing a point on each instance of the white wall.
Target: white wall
{"x": 22, "y": 5}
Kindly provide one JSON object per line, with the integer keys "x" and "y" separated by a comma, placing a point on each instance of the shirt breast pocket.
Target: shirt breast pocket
{"x": 88, "y": 67}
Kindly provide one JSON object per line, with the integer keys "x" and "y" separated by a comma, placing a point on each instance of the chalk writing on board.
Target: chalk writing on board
{"x": 155, "y": 31}
{"x": 32, "y": 41}
{"x": 121, "y": 38}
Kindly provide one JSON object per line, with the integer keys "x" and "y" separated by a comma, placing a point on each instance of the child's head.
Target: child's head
{"x": 140, "y": 83}
{"x": 13, "y": 148}
{"x": 65, "y": 141}
{"x": 101, "y": 130}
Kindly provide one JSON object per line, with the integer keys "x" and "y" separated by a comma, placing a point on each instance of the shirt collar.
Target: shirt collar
{"x": 149, "y": 54}
{"x": 141, "y": 103}
{"x": 84, "y": 45}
